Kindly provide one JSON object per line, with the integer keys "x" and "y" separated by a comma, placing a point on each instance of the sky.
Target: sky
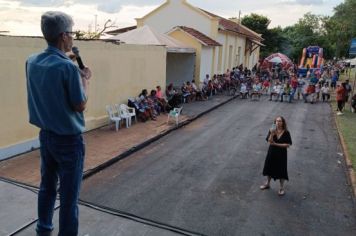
{"x": 22, "y": 17}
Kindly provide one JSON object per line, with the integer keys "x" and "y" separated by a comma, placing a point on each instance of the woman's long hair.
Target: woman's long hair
{"x": 284, "y": 126}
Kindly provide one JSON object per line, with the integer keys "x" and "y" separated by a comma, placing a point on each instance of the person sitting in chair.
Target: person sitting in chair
{"x": 243, "y": 90}
{"x": 256, "y": 89}
{"x": 286, "y": 91}
{"x": 198, "y": 93}
{"x": 185, "y": 93}
{"x": 276, "y": 90}
{"x": 309, "y": 93}
{"x": 162, "y": 100}
{"x": 174, "y": 99}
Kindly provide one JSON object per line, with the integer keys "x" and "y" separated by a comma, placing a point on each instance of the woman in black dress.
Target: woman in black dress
{"x": 276, "y": 161}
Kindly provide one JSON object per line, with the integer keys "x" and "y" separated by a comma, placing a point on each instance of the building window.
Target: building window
{"x": 230, "y": 56}
{"x": 238, "y": 61}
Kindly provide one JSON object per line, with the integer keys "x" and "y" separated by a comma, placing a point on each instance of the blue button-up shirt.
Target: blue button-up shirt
{"x": 54, "y": 88}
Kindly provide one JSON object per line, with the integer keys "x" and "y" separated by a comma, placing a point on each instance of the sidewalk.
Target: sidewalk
{"x": 105, "y": 146}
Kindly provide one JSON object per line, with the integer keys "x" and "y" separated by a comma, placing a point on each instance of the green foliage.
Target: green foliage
{"x": 274, "y": 39}
{"x": 257, "y": 23}
{"x": 332, "y": 33}
{"x": 342, "y": 26}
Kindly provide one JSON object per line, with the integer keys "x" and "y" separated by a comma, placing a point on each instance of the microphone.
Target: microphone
{"x": 75, "y": 50}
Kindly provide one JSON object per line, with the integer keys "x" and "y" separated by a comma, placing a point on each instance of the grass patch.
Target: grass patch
{"x": 347, "y": 122}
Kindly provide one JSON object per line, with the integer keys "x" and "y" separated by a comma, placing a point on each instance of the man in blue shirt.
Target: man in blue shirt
{"x": 57, "y": 96}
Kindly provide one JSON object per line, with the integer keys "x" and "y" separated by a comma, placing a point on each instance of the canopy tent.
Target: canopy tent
{"x": 277, "y": 58}
{"x": 147, "y": 36}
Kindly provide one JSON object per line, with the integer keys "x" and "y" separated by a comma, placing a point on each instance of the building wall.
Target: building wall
{"x": 180, "y": 13}
{"x": 177, "y": 13}
{"x": 233, "y": 52}
{"x": 231, "y": 56}
{"x": 119, "y": 72}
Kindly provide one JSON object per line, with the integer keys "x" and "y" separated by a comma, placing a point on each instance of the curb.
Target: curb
{"x": 349, "y": 168}
{"x": 140, "y": 146}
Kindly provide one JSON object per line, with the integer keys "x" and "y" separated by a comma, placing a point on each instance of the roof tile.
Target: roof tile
{"x": 235, "y": 27}
{"x": 200, "y": 36}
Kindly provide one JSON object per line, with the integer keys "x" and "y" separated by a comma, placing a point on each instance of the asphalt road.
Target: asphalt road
{"x": 205, "y": 177}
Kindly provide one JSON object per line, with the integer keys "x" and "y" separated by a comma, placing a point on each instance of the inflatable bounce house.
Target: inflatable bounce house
{"x": 312, "y": 60}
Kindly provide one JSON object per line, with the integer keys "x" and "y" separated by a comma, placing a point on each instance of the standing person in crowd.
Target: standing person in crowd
{"x": 294, "y": 85}
{"x": 317, "y": 91}
{"x": 57, "y": 96}
{"x": 334, "y": 80}
{"x": 275, "y": 166}
{"x": 325, "y": 92}
{"x": 340, "y": 98}
{"x": 353, "y": 103}
{"x": 348, "y": 89}
{"x": 300, "y": 88}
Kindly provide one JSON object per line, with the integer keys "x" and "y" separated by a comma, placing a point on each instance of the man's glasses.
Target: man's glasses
{"x": 70, "y": 33}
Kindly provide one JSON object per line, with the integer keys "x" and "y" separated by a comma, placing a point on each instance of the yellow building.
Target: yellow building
{"x": 220, "y": 43}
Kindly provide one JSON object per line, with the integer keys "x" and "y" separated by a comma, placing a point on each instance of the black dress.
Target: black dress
{"x": 276, "y": 159}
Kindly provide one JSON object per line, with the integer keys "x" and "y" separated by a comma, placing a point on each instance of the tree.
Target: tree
{"x": 308, "y": 31}
{"x": 257, "y": 23}
{"x": 274, "y": 39}
{"x": 95, "y": 35}
{"x": 341, "y": 27}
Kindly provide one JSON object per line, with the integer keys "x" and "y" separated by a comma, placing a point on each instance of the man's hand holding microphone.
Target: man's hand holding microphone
{"x": 85, "y": 72}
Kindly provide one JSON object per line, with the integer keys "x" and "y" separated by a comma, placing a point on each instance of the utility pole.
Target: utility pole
{"x": 239, "y": 16}
{"x": 95, "y": 22}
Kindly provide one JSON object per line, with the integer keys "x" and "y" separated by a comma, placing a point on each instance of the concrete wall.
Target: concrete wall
{"x": 119, "y": 72}
{"x": 180, "y": 68}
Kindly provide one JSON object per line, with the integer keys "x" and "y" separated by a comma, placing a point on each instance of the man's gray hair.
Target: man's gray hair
{"x": 53, "y": 23}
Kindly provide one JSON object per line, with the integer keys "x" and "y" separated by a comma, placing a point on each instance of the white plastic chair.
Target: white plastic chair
{"x": 130, "y": 110}
{"x": 175, "y": 114}
{"x": 113, "y": 117}
{"x": 123, "y": 115}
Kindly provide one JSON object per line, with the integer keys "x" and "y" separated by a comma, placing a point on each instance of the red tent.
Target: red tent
{"x": 277, "y": 58}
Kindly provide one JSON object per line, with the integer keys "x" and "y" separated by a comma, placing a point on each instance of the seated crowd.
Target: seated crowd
{"x": 286, "y": 86}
